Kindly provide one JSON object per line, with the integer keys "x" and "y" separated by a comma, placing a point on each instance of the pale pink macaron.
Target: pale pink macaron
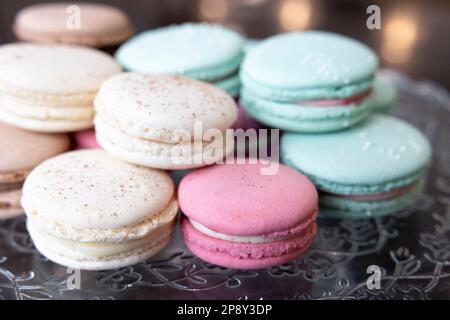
{"x": 237, "y": 217}
{"x": 85, "y": 139}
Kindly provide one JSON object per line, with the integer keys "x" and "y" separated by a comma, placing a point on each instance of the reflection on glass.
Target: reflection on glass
{"x": 399, "y": 36}
{"x": 213, "y": 10}
{"x": 294, "y": 14}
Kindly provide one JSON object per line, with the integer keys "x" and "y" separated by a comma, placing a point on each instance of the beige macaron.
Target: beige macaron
{"x": 88, "y": 210}
{"x": 50, "y": 88}
{"x": 20, "y": 152}
{"x": 167, "y": 122}
{"x": 88, "y": 24}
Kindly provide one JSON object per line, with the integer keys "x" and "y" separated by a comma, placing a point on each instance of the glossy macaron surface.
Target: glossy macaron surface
{"x": 238, "y": 200}
{"x": 308, "y": 65}
{"x": 200, "y": 51}
{"x": 378, "y": 155}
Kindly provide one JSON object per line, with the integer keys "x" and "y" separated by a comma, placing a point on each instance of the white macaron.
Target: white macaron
{"x": 88, "y": 210}
{"x": 167, "y": 122}
{"x": 51, "y": 88}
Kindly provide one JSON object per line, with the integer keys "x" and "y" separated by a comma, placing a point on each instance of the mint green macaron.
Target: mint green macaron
{"x": 201, "y": 51}
{"x": 309, "y": 81}
{"x": 375, "y": 168}
{"x": 384, "y": 95}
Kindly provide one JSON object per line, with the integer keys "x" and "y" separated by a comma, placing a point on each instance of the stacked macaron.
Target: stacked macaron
{"x": 323, "y": 88}
{"x": 372, "y": 169}
{"x": 20, "y": 152}
{"x": 308, "y": 81}
{"x": 239, "y": 217}
{"x": 200, "y": 51}
{"x": 95, "y": 25}
{"x": 51, "y": 88}
{"x": 166, "y": 122}
{"x": 87, "y": 210}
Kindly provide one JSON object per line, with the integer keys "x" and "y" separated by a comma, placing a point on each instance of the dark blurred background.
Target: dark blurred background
{"x": 414, "y": 35}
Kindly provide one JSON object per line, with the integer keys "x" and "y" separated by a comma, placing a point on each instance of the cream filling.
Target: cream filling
{"x": 99, "y": 250}
{"x": 240, "y": 239}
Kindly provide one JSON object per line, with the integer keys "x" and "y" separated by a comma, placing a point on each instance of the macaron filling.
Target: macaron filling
{"x": 256, "y": 239}
{"x": 355, "y": 100}
{"x": 240, "y": 239}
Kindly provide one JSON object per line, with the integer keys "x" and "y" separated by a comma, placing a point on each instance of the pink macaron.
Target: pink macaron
{"x": 85, "y": 140}
{"x": 238, "y": 217}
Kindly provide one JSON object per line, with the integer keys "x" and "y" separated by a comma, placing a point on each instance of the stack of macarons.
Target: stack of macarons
{"x": 95, "y": 25}
{"x": 170, "y": 110}
{"x": 323, "y": 88}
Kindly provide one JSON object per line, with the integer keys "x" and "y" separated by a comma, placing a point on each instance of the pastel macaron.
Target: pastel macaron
{"x": 238, "y": 217}
{"x": 51, "y": 88}
{"x": 166, "y": 122}
{"x": 85, "y": 139}
{"x": 200, "y": 51}
{"x": 309, "y": 81}
{"x": 373, "y": 169}
{"x": 384, "y": 95}
{"x": 20, "y": 152}
{"x": 87, "y": 210}
{"x": 88, "y": 24}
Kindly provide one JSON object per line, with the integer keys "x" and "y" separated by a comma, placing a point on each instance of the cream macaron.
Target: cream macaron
{"x": 20, "y": 152}
{"x": 51, "y": 88}
{"x": 166, "y": 122}
{"x": 90, "y": 211}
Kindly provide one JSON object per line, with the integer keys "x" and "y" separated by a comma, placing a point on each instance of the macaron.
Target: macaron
{"x": 310, "y": 81}
{"x": 200, "y": 51}
{"x": 87, "y": 210}
{"x": 85, "y": 139}
{"x": 88, "y": 24}
{"x": 238, "y": 217}
{"x": 384, "y": 95}
{"x": 51, "y": 88}
{"x": 166, "y": 122}
{"x": 373, "y": 169}
{"x": 20, "y": 152}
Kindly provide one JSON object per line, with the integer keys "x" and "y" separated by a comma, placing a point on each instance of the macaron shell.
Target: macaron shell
{"x": 245, "y": 256}
{"x": 336, "y": 207}
{"x": 44, "y": 125}
{"x": 23, "y": 150}
{"x": 309, "y": 59}
{"x": 55, "y": 69}
{"x": 201, "y": 51}
{"x": 382, "y": 149}
{"x": 69, "y": 259}
{"x": 142, "y": 104}
{"x": 100, "y": 25}
{"x": 213, "y": 196}
{"x": 91, "y": 189}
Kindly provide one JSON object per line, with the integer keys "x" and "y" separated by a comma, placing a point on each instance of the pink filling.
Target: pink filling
{"x": 355, "y": 100}
{"x": 375, "y": 197}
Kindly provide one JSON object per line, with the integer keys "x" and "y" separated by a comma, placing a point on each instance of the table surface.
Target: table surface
{"x": 411, "y": 248}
